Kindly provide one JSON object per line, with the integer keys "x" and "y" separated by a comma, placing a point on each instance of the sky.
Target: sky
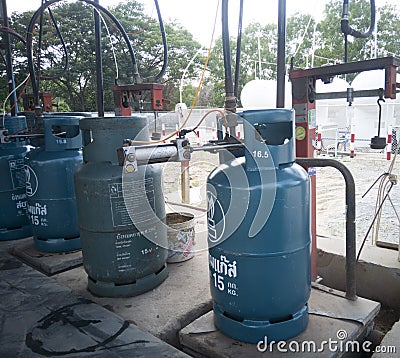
{"x": 198, "y": 16}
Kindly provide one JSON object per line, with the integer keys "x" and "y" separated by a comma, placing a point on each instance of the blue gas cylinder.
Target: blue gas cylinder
{"x": 14, "y": 223}
{"x": 259, "y": 234}
{"x": 50, "y": 190}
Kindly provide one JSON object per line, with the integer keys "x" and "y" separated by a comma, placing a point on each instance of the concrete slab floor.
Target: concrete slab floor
{"x": 39, "y": 317}
{"x": 163, "y": 311}
{"x": 331, "y": 314}
{"x": 389, "y": 346}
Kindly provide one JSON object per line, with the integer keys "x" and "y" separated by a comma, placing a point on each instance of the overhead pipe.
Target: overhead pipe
{"x": 351, "y": 289}
{"x": 281, "y": 60}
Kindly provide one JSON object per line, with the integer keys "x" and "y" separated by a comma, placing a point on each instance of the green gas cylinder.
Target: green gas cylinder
{"x": 121, "y": 218}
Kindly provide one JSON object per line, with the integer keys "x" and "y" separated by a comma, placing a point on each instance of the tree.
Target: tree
{"x": 78, "y": 84}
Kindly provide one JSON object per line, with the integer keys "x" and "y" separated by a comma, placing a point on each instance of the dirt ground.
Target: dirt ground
{"x": 366, "y": 168}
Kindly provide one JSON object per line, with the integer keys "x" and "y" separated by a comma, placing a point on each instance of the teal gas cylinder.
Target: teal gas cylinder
{"x": 121, "y": 216}
{"x": 49, "y": 172}
{"x": 14, "y": 222}
{"x": 259, "y": 234}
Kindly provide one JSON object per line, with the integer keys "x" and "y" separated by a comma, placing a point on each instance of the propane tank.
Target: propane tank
{"x": 50, "y": 191}
{"x": 259, "y": 234}
{"x": 14, "y": 223}
{"x": 121, "y": 216}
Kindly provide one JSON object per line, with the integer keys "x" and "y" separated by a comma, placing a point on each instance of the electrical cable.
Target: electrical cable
{"x": 112, "y": 46}
{"x": 373, "y": 221}
{"x": 9, "y": 95}
{"x": 205, "y": 116}
{"x": 387, "y": 181}
{"x": 302, "y": 37}
{"x": 197, "y": 91}
{"x": 21, "y": 94}
{"x": 29, "y": 41}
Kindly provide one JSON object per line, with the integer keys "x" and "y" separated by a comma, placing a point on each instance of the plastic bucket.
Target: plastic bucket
{"x": 180, "y": 236}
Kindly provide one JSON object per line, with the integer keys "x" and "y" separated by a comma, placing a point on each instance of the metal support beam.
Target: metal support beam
{"x": 281, "y": 62}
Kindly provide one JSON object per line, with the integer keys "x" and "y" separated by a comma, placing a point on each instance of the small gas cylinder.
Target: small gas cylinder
{"x": 259, "y": 234}
{"x": 49, "y": 171}
{"x": 14, "y": 223}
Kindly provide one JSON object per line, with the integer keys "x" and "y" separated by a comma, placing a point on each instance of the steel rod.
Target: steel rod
{"x": 281, "y": 61}
{"x": 351, "y": 288}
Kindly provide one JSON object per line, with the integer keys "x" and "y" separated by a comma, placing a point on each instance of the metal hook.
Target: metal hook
{"x": 380, "y": 99}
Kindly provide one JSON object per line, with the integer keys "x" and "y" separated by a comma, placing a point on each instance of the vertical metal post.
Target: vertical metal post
{"x": 305, "y": 135}
{"x": 185, "y": 183}
{"x": 9, "y": 67}
{"x": 281, "y": 63}
{"x": 99, "y": 63}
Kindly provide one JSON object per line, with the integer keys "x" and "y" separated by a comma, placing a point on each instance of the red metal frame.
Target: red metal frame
{"x": 124, "y": 97}
{"x": 303, "y": 90}
{"x": 46, "y": 99}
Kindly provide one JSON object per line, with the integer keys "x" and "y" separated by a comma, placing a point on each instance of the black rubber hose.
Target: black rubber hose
{"x": 3, "y": 59}
{"x": 226, "y": 50}
{"x": 60, "y": 36}
{"x": 39, "y": 53}
{"x": 29, "y": 37}
{"x": 238, "y": 50}
{"x": 14, "y": 33}
{"x": 348, "y": 30}
{"x": 165, "y": 44}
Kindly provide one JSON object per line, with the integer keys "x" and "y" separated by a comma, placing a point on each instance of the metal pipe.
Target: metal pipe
{"x": 99, "y": 62}
{"x": 351, "y": 293}
{"x": 281, "y": 61}
{"x": 9, "y": 67}
{"x": 155, "y": 154}
{"x": 216, "y": 147}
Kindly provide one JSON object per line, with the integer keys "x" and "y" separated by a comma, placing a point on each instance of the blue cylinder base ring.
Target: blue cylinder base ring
{"x": 256, "y": 331}
{"x": 15, "y": 233}
{"x": 139, "y": 286}
{"x": 57, "y": 244}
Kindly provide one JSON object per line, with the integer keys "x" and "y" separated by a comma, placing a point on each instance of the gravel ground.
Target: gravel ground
{"x": 365, "y": 167}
